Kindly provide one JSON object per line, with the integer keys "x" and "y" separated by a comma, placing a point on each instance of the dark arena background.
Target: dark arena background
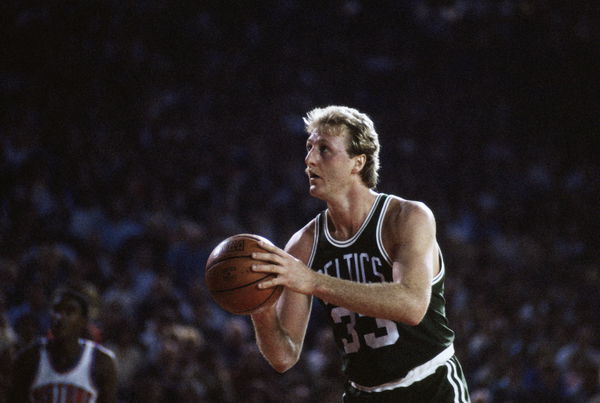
{"x": 135, "y": 135}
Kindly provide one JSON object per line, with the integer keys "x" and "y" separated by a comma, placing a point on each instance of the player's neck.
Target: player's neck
{"x": 346, "y": 214}
{"x": 64, "y": 353}
{"x": 65, "y": 345}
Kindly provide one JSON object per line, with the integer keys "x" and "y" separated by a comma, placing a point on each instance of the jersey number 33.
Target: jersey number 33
{"x": 386, "y": 332}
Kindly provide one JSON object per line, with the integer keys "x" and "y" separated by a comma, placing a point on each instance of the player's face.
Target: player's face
{"x": 67, "y": 317}
{"x": 328, "y": 165}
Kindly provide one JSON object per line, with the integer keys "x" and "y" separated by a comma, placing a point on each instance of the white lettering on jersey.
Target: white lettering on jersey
{"x": 358, "y": 267}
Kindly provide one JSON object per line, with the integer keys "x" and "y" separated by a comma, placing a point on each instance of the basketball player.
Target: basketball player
{"x": 374, "y": 262}
{"x": 65, "y": 368}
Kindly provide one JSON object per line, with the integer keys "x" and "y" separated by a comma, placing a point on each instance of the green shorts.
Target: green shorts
{"x": 446, "y": 385}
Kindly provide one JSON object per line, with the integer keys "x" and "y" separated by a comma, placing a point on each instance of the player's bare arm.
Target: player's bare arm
{"x": 105, "y": 376}
{"x": 409, "y": 234}
{"x": 24, "y": 369}
{"x": 280, "y": 329}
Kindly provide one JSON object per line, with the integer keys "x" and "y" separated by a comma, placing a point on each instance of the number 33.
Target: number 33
{"x": 352, "y": 342}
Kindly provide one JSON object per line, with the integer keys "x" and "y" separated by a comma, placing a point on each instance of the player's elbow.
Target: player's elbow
{"x": 282, "y": 361}
{"x": 283, "y": 365}
{"x": 415, "y": 318}
{"x": 415, "y": 314}
{"x": 281, "y": 368}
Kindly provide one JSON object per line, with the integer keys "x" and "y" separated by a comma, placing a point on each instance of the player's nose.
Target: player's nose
{"x": 309, "y": 158}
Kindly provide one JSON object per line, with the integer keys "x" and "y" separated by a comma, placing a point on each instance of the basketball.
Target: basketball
{"x": 230, "y": 279}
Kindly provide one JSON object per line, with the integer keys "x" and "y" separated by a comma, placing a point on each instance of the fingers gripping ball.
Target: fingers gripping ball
{"x": 230, "y": 279}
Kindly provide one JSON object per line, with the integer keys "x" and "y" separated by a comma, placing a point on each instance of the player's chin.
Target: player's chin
{"x": 317, "y": 192}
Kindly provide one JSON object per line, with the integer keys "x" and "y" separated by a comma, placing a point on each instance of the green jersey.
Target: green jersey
{"x": 376, "y": 351}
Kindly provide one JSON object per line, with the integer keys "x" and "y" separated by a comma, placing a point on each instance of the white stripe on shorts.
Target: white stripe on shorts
{"x": 416, "y": 374}
{"x": 460, "y": 394}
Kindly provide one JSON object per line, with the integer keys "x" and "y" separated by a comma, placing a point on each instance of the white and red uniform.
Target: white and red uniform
{"x": 72, "y": 386}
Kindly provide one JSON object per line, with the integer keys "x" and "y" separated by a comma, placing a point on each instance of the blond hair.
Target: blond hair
{"x": 363, "y": 137}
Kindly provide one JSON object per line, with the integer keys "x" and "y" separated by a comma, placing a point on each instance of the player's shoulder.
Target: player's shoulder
{"x": 104, "y": 370}
{"x": 104, "y": 359}
{"x": 301, "y": 243}
{"x": 403, "y": 211}
{"x": 28, "y": 356}
{"x": 33, "y": 348}
{"x": 102, "y": 352}
{"x": 24, "y": 369}
{"x": 304, "y": 234}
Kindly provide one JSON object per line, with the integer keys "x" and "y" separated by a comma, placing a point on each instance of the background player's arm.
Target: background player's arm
{"x": 280, "y": 329}
{"x": 105, "y": 377}
{"x": 23, "y": 372}
{"x": 409, "y": 238}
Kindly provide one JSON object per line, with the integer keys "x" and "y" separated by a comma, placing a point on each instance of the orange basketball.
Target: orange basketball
{"x": 230, "y": 279}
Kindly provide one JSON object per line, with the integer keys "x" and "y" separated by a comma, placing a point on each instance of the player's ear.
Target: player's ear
{"x": 359, "y": 163}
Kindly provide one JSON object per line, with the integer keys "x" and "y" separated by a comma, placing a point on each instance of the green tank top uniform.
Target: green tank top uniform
{"x": 378, "y": 352}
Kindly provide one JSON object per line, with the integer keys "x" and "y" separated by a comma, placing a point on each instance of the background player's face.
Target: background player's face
{"x": 67, "y": 316}
{"x": 328, "y": 165}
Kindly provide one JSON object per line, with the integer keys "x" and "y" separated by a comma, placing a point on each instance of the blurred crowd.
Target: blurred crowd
{"x": 135, "y": 136}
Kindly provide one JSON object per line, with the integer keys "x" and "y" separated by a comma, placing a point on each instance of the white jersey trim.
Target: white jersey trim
{"x": 379, "y": 233}
{"x": 313, "y": 252}
{"x": 438, "y": 277}
{"x": 350, "y": 241}
{"x": 105, "y": 350}
{"x": 414, "y": 375}
{"x": 79, "y": 375}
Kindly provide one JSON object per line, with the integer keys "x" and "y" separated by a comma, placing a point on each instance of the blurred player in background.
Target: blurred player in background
{"x": 374, "y": 261}
{"x": 64, "y": 367}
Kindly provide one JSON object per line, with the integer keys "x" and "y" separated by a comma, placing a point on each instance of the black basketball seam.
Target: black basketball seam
{"x": 241, "y": 286}
{"x": 228, "y": 258}
{"x": 242, "y": 236}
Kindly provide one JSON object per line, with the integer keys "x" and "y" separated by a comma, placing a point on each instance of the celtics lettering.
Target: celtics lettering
{"x": 359, "y": 267}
